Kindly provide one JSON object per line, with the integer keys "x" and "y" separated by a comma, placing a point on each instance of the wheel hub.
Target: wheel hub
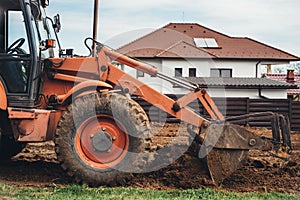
{"x": 102, "y": 141}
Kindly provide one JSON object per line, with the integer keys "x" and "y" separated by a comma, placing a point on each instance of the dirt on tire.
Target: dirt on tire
{"x": 82, "y": 128}
{"x": 37, "y": 166}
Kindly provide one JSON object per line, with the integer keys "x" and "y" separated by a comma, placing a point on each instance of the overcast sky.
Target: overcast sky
{"x": 274, "y": 22}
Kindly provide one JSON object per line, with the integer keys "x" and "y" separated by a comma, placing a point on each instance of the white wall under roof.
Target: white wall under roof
{"x": 248, "y": 93}
{"x": 239, "y": 69}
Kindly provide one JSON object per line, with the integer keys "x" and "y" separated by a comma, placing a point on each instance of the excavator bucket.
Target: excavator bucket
{"x": 225, "y": 146}
{"x": 222, "y": 163}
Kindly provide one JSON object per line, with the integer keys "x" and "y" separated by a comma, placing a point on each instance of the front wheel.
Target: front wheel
{"x": 100, "y": 138}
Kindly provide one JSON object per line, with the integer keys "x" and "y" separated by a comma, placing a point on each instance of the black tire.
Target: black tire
{"x": 9, "y": 147}
{"x": 87, "y": 158}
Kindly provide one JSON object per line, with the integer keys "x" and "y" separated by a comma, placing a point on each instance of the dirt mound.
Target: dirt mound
{"x": 262, "y": 173}
{"x": 37, "y": 165}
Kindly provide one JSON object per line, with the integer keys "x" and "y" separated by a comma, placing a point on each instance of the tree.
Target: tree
{"x": 279, "y": 70}
{"x": 297, "y": 67}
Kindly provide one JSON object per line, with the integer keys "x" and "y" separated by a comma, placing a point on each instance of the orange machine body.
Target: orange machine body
{"x": 67, "y": 78}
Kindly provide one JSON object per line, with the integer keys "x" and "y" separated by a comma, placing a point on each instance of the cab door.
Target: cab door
{"x": 18, "y": 53}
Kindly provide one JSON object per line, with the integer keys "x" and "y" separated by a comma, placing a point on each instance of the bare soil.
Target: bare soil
{"x": 37, "y": 166}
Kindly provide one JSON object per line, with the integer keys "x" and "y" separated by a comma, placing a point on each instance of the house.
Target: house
{"x": 192, "y": 51}
{"x": 290, "y": 78}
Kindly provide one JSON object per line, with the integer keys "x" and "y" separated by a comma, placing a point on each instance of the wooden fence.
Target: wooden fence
{"x": 235, "y": 107}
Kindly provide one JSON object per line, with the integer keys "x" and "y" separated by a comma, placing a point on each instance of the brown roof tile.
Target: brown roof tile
{"x": 183, "y": 49}
{"x": 165, "y": 38}
{"x": 283, "y": 78}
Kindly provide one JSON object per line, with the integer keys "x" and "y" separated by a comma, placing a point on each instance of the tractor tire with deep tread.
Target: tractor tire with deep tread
{"x": 9, "y": 147}
{"x": 81, "y": 141}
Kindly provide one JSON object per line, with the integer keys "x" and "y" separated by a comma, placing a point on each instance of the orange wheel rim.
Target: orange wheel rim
{"x": 101, "y": 141}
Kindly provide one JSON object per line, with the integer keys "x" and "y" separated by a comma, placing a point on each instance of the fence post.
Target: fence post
{"x": 290, "y": 113}
{"x": 247, "y": 109}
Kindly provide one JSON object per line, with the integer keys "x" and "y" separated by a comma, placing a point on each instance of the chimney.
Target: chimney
{"x": 290, "y": 78}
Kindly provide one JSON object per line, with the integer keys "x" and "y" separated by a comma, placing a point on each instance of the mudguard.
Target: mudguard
{"x": 83, "y": 88}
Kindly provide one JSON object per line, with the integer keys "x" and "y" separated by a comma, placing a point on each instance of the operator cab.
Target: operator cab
{"x": 23, "y": 30}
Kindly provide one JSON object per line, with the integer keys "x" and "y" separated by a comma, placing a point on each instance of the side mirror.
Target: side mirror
{"x": 57, "y": 25}
{"x": 35, "y": 11}
{"x": 45, "y": 3}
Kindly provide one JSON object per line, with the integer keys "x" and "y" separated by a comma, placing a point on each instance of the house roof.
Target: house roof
{"x": 239, "y": 83}
{"x": 177, "y": 40}
{"x": 283, "y": 78}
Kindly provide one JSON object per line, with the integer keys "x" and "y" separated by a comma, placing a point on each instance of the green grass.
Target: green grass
{"x": 86, "y": 193}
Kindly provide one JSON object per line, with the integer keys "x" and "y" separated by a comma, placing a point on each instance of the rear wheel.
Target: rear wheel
{"x": 9, "y": 147}
{"x": 100, "y": 138}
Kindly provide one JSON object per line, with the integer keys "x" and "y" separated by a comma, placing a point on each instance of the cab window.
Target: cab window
{"x": 16, "y": 30}
{"x": 15, "y": 60}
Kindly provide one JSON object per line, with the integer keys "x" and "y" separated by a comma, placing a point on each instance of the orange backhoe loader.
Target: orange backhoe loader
{"x": 84, "y": 105}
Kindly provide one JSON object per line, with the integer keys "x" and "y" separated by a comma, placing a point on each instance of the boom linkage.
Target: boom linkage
{"x": 176, "y": 106}
{"x": 280, "y": 124}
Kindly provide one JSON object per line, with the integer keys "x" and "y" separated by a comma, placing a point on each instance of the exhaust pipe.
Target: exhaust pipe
{"x": 95, "y": 25}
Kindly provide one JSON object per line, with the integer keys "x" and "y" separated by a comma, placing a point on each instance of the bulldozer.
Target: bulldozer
{"x": 84, "y": 104}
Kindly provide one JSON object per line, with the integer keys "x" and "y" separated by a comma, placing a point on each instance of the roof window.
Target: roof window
{"x": 206, "y": 43}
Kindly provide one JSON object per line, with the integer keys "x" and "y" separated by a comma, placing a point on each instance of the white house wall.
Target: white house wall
{"x": 167, "y": 66}
{"x": 274, "y": 94}
{"x": 248, "y": 93}
{"x": 239, "y": 69}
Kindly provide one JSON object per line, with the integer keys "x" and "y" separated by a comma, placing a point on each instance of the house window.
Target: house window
{"x": 140, "y": 73}
{"x": 178, "y": 72}
{"x": 221, "y": 73}
{"x": 192, "y": 72}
